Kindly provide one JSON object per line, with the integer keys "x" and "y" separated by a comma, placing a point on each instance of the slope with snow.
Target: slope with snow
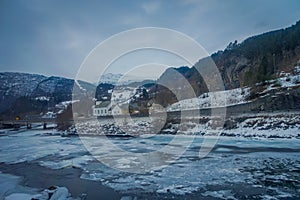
{"x": 35, "y": 88}
{"x": 18, "y": 84}
{"x": 238, "y": 95}
{"x": 212, "y": 99}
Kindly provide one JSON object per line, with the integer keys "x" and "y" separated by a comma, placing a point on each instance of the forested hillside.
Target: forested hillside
{"x": 256, "y": 59}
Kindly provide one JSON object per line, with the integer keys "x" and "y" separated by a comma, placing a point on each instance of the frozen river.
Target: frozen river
{"x": 236, "y": 168}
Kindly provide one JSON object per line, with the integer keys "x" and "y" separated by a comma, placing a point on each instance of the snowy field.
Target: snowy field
{"x": 236, "y": 168}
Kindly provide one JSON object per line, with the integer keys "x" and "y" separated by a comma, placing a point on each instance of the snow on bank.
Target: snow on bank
{"x": 286, "y": 80}
{"x": 274, "y": 126}
{"x": 114, "y": 127}
{"x": 213, "y": 99}
{"x": 267, "y": 127}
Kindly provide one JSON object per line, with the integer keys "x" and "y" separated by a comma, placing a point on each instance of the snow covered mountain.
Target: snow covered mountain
{"x": 14, "y": 85}
{"x": 120, "y": 79}
{"x": 33, "y": 88}
{"x": 110, "y": 78}
{"x": 19, "y": 84}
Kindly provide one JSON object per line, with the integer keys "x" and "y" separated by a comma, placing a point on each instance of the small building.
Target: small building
{"x": 106, "y": 108}
{"x": 102, "y": 108}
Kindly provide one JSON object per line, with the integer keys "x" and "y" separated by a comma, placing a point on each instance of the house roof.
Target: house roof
{"x": 103, "y": 104}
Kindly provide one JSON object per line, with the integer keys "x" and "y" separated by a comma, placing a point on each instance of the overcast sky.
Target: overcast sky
{"x": 53, "y": 37}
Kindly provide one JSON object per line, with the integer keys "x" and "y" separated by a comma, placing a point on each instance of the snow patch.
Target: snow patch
{"x": 213, "y": 100}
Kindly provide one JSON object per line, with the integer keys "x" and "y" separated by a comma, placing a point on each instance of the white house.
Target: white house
{"x": 102, "y": 108}
{"x": 105, "y": 108}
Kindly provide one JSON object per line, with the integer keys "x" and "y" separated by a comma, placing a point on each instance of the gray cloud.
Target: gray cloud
{"x": 53, "y": 37}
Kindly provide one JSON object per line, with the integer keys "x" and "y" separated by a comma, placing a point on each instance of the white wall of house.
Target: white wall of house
{"x": 106, "y": 111}
{"x": 102, "y": 111}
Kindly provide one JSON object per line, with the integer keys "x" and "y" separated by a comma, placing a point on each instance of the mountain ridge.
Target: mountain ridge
{"x": 255, "y": 60}
{"x": 36, "y": 90}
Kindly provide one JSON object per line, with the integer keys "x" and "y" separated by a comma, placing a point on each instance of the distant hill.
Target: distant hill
{"x": 120, "y": 79}
{"x": 32, "y": 93}
{"x": 110, "y": 78}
